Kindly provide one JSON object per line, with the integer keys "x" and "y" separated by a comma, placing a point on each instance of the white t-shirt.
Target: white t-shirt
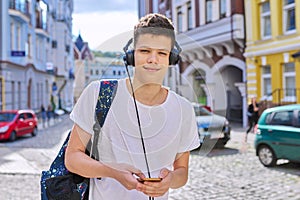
{"x": 167, "y": 129}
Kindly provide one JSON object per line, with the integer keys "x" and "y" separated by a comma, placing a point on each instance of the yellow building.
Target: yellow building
{"x": 273, "y": 50}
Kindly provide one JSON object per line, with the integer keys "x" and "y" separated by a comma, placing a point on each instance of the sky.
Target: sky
{"x": 105, "y": 24}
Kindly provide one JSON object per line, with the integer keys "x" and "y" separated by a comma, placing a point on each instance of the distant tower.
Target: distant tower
{"x": 83, "y": 57}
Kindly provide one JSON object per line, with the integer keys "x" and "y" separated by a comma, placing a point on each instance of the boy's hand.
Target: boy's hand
{"x": 156, "y": 189}
{"x": 124, "y": 173}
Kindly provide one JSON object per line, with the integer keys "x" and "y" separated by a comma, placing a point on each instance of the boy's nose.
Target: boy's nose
{"x": 153, "y": 58}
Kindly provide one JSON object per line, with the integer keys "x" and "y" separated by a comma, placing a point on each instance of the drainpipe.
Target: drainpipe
{"x": 244, "y": 109}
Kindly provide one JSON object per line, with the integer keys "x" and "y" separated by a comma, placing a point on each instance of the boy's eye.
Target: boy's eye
{"x": 144, "y": 50}
{"x": 163, "y": 53}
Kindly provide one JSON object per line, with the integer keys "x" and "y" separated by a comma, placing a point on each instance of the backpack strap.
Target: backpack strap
{"x": 107, "y": 92}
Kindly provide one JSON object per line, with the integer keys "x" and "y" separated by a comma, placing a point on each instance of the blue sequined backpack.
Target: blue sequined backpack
{"x": 58, "y": 183}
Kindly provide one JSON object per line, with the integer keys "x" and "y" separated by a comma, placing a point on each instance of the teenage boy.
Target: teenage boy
{"x": 167, "y": 123}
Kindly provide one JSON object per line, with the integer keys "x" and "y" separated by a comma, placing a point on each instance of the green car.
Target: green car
{"x": 278, "y": 135}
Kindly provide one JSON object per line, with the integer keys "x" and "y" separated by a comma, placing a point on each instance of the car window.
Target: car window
{"x": 201, "y": 111}
{"x": 29, "y": 116}
{"x": 269, "y": 118}
{"x": 22, "y": 116}
{"x": 283, "y": 118}
{"x": 7, "y": 117}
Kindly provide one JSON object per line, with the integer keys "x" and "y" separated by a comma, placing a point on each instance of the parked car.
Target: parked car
{"x": 212, "y": 128}
{"x": 15, "y": 123}
{"x": 278, "y": 135}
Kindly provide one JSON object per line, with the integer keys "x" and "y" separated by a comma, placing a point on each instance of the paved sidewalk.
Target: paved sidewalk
{"x": 18, "y": 159}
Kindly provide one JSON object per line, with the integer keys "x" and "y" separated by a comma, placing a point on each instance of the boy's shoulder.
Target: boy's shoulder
{"x": 182, "y": 100}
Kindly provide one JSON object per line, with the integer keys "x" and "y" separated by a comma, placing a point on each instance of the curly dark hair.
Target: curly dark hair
{"x": 155, "y": 24}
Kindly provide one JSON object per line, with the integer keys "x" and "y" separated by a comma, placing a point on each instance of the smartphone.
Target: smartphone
{"x": 149, "y": 179}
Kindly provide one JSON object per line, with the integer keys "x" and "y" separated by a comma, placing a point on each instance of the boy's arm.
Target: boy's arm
{"x": 180, "y": 172}
{"x": 80, "y": 163}
{"x": 77, "y": 161}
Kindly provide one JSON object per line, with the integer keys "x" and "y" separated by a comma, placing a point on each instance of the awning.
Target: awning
{"x": 296, "y": 55}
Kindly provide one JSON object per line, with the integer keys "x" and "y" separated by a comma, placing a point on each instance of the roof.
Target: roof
{"x": 79, "y": 43}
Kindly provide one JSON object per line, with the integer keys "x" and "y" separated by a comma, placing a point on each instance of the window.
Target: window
{"x": 283, "y": 118}
{"x": 265, "y": 20}
{"x": 91, "y": 72}
{"x": 18, "y": 37}
{"x": 12, "y": 35}
{"x": 190, "y": 16}
{"x": 29, "y": 116}
{"x": 22, "y": 116}
{"x": 44, "y": 11}
{"x": 209, "y": 11}
{"x": 201, "y": 111}
{"x": 28, "y": 46}
{"x": 289, "y": 82}
{"x": 66, "y": 63}
{"x": 37, "y": 48}
{"x": 13, "y": 95}
{"x": 47, "y": 87}
{"x": 223, "y": 8}
{"x": 266, "y": 81}
{"x": 38, "y": 92}
{"x": 289, "y": 15}
{"x": 179, "y": 20}
{"x": 19, "y": 95}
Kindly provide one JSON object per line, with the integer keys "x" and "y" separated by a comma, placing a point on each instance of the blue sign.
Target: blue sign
{"x": 18, "y": 53}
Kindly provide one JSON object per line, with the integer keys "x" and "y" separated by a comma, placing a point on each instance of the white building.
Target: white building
{"x": 211, "y": 34}
{"x": 36, "y": 53}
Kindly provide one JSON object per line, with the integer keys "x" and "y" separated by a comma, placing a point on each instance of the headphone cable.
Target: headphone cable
{"x": 139, "y": 123}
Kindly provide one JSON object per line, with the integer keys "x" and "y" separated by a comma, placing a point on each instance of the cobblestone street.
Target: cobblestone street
{"x": 230, "y": 173}
{"x": 237, "y": 176}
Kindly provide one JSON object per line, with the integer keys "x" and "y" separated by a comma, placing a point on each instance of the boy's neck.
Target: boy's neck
{"x": 148, "y": 94}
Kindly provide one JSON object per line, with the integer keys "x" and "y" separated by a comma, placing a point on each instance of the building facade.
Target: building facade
{"x": 211, "y": 34}
{"x": 35, "y": 58}
{"x": 273, "y": 51}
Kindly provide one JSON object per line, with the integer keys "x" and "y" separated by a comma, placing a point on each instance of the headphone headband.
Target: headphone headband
{"x": 128, "y": 58}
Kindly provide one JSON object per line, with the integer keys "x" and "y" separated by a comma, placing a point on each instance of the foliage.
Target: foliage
{"x": 106, "y": 54}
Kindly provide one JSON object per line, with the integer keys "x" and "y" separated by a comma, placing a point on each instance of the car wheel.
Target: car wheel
{"x": 13, "y": 136}
{"x": 267, "y": 156}
{"x": 34, "y": 132}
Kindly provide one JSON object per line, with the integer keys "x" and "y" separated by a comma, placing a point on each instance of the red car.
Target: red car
{"x": 15, "y": 123}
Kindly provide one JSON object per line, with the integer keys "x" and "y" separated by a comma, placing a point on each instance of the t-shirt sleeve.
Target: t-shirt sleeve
{"x": 189, "y": 136}
{"x": 84, "y": 110}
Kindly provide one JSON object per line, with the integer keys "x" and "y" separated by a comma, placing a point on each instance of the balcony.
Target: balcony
{"x": 20, "y": 10}
{"x": 41, "y": 28}
{"x": 218, "y": 35}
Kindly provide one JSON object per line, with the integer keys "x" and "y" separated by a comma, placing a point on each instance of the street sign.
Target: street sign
{"x": 17, "y": 53}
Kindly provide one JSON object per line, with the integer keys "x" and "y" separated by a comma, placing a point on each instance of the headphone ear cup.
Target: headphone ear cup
{"x": 130, "y": 57}
{"x": 174, "y": 57}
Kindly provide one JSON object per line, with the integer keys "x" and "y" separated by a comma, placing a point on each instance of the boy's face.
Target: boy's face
{"x": 151, "y": 58}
